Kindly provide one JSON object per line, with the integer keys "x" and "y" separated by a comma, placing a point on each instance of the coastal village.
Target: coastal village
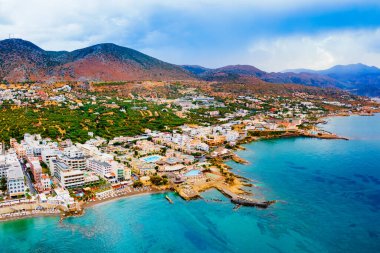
{"x": 53, "y": 175}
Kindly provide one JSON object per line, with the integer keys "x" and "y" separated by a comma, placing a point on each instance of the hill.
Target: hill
{"x": 195, "y": 69}
{"x": 21, "y": 60}
{"x": 356, "y": 78}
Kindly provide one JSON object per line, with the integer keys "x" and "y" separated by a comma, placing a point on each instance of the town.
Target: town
{"x": 53, "y": 172}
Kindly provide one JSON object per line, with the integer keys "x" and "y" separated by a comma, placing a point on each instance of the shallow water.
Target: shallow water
{"x": 329, "y": 192}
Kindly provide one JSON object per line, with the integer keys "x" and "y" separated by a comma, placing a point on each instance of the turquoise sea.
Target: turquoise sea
{"x": 329, "y": 192}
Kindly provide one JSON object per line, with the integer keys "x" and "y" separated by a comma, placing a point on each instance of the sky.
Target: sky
{"x": 273, "y": 35}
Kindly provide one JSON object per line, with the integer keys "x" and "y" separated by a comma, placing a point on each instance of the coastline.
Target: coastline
{"x": 30, "y": 216}
{"x": 247, "y": 140}
{"x": 325, "y": 119}
{"x": 90, "y": 204}
{"x": 123, "y": 222}
{"x": 83, "y": 206}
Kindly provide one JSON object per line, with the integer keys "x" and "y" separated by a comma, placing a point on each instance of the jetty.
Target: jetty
{"x": 251, "y": 202}
{"x": 169, "y": 199}
{"x": 245, "y": 201}
{"x": 325, "y": 135}
{"x": 238, "y": 159}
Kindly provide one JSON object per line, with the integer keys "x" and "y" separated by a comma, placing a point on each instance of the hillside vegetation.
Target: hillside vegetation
{"x": 61, "y": 122}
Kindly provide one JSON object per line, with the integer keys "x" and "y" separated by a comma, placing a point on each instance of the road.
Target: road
{"x": 28, "y": 179}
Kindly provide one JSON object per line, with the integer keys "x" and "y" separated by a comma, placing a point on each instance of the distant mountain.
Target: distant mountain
{"x": 297, "y": 71}
{"x": 308, "y": 79}
{"x": 21, "y": 60}
{"x": 195, "y": 69}
{"x": 236, "y": 72}
{"x": 245, "y": 70}
{"x": 356, "y": 78}
{"x": 351, "y": 69}
{"x": 340, "y": 70}
{"x": 232, "y": 73}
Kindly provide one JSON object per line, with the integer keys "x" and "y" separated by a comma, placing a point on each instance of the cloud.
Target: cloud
{"x": 316, "y": 52}
{"x": 207, "y": 32}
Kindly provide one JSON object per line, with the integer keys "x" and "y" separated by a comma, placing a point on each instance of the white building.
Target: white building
{"x": 10, "y": 168}
{"x": 88, "y": 150}
{"x": 45, "y": 182}
{"x": 100, "y": 167}
{"x": 74, "y": 158}
{"x": 62, "y": 197}
{"x": 16, "y": 183}
{"x": 121, "y": 172}
{"x": 46, "y": 154}
{"x": 34, "y": 142}
{"x": 51, "y": 165}
{"x": 73, "y": 152}
{"x": 232, "y": 136}
{"x": 4, "y": 166}
{"x": 68, "y": 178}
{"x": 203, "y": 146}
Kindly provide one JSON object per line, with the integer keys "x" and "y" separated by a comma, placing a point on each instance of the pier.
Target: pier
{"x": 245, "y": 201}
{"x": 169, "y": 199}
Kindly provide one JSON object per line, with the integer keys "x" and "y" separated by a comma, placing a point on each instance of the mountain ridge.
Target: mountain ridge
{"x": 22, "y": 60}
{"x": 348, "y": 68}
{"x": 356, "y": 78}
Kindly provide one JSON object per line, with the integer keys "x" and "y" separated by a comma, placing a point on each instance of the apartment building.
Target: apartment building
{"x": 68, "y": 178}
{"x": 35, "y": 167}
{"x": 16, "y": 182}
{"x": 10, "y": 168}
{"x": 99, "y": 167}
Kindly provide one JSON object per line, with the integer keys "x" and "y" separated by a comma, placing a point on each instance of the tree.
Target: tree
{"x": 3, "y": 184}
{"x": 157, "y": 180}
{"x": 137, "y": 184}
{"x": 45, "y": 168}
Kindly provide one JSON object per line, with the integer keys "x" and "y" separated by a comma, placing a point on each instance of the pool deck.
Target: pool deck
{"x": 192, "y": 173}
{"x": 151, "y": 159}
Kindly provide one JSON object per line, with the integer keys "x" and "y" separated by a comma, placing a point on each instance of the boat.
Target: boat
{"x": 168, "y": 199}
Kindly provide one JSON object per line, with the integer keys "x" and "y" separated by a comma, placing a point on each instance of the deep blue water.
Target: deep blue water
{"x": 329, "y": 192}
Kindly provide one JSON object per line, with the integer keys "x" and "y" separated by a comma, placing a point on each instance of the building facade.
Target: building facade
{"x": 68, "y": 178}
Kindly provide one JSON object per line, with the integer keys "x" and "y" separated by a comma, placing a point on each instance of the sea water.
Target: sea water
{"x": 328, "y": 194}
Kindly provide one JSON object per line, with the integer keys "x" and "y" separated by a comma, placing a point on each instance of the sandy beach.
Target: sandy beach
{"x": 30, "y": 215}
{"x": 89, "y": 204}
{"x": 84, "y": 206}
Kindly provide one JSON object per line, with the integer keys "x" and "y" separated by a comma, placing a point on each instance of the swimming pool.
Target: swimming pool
{"x": 192, "y": 173}
{"x": 151, "y": 159}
